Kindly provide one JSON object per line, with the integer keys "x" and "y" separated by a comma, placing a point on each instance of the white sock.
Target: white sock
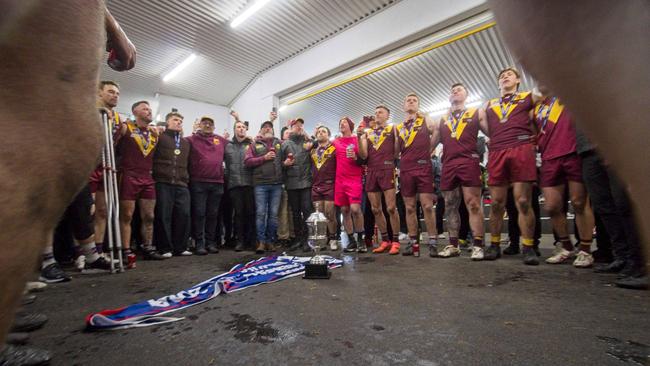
{"x": 48, "y": 256}
{"x": 89, "y": 251}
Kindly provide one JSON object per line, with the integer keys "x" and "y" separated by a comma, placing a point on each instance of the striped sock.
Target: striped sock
{"x": 48, "y": 256}
{"x": 478, "y": 241}
{"x": 585, "y": 246}
{"x": 454, "y": 242}
{"x": 89, "y": 250}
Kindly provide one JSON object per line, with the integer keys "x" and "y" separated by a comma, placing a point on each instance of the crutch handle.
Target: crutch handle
{"x": 104, "y": 111}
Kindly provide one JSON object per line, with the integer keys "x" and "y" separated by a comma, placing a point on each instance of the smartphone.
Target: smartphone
{"x": 274, "y": 109}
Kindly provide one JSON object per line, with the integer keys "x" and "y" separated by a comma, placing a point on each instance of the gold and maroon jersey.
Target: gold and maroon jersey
{"x": 557, "y": 134}
{"x": 459, "y": 134}
{"x": 415, "y": 145}
{"x": 508, "y": 120}
{"x": 381, "y": 148}
{"x": 323, "y": 165}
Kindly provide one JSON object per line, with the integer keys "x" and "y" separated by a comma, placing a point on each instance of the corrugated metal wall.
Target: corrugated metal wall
{"x": 474, "y": 60}
{"x": 166, "y": 31}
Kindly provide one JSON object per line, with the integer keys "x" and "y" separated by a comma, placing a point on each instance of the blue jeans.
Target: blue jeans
{"x": 267, "y": 204}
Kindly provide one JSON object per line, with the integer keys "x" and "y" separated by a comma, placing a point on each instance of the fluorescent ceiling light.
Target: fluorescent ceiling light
{"x": 442, "y": 107}
{"x": 179, "y": 67}
{"x": 248, "y": 12}
{"x": 440, "y": 111}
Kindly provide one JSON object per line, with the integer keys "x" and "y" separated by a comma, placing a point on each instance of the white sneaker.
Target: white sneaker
{"x": 477, "y": 254}
{"x": 334, "y": 244}
{"x": 80, "y": 263}
{"x": 449, "y": 251}
{"x": 403, "y": 236}
{"x": 583, "y": 260}
{"x": 186, "y": 253}
{"x": 560, "y": 255}
{"x": 35, "y": 286}
{"x": 441, "y": 236}
{"x": 167, "y": 255}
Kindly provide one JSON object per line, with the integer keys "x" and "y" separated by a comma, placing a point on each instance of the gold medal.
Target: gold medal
{"x": 503, "y": 120}
{"x": 453, "y": 135}
{"x": 177, "y": 151}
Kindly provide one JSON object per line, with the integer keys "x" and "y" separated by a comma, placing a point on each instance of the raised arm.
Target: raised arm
{"x": 363, "y": 143}
{"x": 433, "y": 131}
{"x": 121, "y": 51}
{"x": 482, "y": 119}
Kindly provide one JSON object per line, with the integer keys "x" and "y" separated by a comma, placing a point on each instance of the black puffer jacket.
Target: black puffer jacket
{"x": 237, "y": 174}
{"x": 167, "y": 166}
{"x": 264, "y": 172}
{"x": 298, "y": 175}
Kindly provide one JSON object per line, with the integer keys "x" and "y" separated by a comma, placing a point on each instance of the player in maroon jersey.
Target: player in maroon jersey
{"x": 136, "y": 142}
{"x": 561, "y": 166}
{"x": 511, "y": 160}
{"x": 379, "y": 146}
{"x": 415, "y": 136}
{"x": 323, "y": 157}
{"x": 461, "y": 172}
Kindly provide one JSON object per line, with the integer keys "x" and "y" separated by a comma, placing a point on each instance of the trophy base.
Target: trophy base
{"x": 316, "y": 272}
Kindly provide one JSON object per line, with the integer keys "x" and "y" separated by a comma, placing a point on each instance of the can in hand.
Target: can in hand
{"x": 416, "y": 249}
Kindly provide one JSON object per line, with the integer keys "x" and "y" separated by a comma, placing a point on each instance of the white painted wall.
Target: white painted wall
{"x": 193, "y": 110}
{"x": 382, "y": 31}
{"x": 190, "y": 109}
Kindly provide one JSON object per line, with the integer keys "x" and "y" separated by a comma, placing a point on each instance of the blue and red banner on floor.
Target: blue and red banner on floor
{"x": 241, "y": 276}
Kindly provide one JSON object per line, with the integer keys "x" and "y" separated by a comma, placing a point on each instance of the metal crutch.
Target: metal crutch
{"x": 110, "y": 188}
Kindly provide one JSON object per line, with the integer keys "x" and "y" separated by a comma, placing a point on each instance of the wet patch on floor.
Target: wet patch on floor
{"x": 631, "y": 352}
{"x": 503, "y": 280}
{"x": 240, "y": 260}
{"x": 249, "y": 330}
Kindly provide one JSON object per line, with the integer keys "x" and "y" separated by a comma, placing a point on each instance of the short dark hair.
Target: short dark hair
{"x": 173, "y": 114}
{"x": 136, "y": 104}
{"x": 459, "y": 84}
{"x": 103, "y": 83}
{"x": 383, "y": 107}
{"x": 234, "y": 126}
{"x": 329, "y": 133}
{"x": 282, "y": 131}
{"x": 510, "y": 68}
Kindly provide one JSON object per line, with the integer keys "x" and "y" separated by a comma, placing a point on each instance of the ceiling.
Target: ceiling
{"x": 474, "y": 60}
{"x": 165, "y": 32}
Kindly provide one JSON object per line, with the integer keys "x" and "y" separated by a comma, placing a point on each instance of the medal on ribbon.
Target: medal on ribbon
{"x": 455, "y": 121}
{"x": 145, "y": 141}
{"x": 177, "y": 142}
{"x": 505, "y": 111}
{"x": 408, "y": 135}
{"x": 378, "y": 135}
{"x": 544, "y": 112}
{"x": 321, "y": 155}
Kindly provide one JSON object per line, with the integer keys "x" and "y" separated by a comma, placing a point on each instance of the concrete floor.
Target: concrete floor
{"x": 376, "y": 310}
